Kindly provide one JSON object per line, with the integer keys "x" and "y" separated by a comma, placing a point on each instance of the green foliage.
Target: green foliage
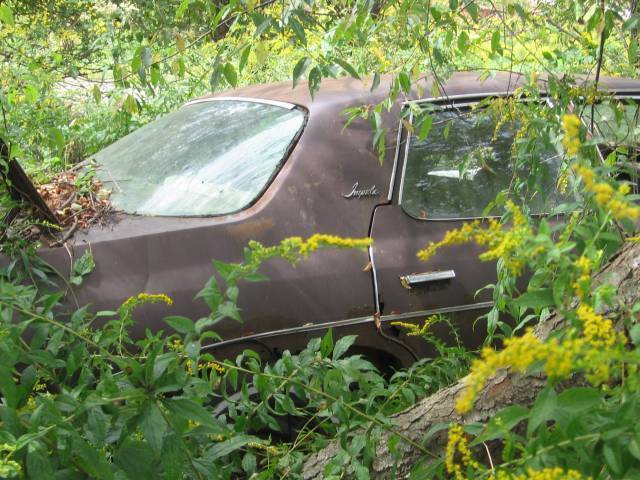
{"x": 81, "y": 399}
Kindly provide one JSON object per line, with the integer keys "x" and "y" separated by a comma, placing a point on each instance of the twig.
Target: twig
{"x": 67, "y": 234}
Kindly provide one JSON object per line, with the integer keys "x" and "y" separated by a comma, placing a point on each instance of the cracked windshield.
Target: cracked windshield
{"x": 207, "y": 158}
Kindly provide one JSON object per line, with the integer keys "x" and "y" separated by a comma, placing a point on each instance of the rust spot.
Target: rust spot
{"x": 250, "y": 229}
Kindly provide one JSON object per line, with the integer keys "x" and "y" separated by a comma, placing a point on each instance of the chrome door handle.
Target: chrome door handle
{"x": 415, "y": 279}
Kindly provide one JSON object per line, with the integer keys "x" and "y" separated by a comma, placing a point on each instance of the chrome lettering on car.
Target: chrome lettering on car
{"x": 362, "y": 192}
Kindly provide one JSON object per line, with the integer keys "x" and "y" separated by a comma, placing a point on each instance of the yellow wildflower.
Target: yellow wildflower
{"x": 457, "y": 446}
{"x": 555, "y": 473}
{"x": 591, "y": 350}
{"x": 608, "y": 197}
{"x": 501, "y": 243}
{"x": 571, "y": 127}
{"x": 143, "y": 298}
{"x": 414, "y": 330}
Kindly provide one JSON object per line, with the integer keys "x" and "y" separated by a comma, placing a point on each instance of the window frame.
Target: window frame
{"x": 285, "y": 157}
{"x": 465, "y": 101}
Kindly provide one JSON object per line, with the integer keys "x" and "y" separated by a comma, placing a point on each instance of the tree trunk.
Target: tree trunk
{"x": 504, "y": 389}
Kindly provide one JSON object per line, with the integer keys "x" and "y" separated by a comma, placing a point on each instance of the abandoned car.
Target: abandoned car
{"x": 269, "y": 162}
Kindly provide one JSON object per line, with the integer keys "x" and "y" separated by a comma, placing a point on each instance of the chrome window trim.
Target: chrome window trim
{"x": 275, "y": 103}
{"x": 404, "y": 163}
{"x": 392, "y": 183}
{"x": 352, "y": 321}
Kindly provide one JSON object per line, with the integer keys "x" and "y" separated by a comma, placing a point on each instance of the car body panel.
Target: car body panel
{"x": 332, "y": 288}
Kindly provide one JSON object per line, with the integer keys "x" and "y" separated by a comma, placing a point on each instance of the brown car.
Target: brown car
{"x": 268, "y": 162}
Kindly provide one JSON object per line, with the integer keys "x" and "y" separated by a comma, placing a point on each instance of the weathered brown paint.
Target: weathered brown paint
{"x": 172, "y": 255}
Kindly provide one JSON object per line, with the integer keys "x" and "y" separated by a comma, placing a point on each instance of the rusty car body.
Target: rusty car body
{"x": 328, "y": 180}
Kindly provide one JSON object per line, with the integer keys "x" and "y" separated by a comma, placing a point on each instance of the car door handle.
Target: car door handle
{"x": 416, "y": 279}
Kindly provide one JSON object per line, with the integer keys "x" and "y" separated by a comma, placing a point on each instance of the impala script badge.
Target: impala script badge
{"x": 362, "y": 192}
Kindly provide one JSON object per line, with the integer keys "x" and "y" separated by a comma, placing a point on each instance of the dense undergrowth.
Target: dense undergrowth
{"x": 80, "y": 401}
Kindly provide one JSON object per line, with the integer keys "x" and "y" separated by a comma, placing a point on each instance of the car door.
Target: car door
{"x": 441, "y": 183}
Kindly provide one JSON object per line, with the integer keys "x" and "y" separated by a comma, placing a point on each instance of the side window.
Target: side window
{"x": 464, "y": 163}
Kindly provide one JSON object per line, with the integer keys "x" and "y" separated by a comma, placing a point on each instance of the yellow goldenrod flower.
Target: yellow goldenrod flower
{"x": 501, "y": 243}
{"x": 608, "y": 197}
{"x": 571, "y": 127}
{"x": 457, "y": 446}
{"x": 591, "y": 349}
{"x": 143, "y": 298}
{"x": 555, "y": 473}
{"x": 415, "y": 330}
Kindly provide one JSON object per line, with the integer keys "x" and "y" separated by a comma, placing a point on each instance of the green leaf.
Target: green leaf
{"x": 300, "y": 69}
{"x": 180, "y": 324}
{"x": 342, "y": 345}
{"x": 453, "y": 4}
{"x": 226, "y": 447}
{"x": 38, "y": 464}
{"x": 81, "y": 267}
{"x": 153, "y": 426}
{"x": 463, "y": 41}
{"x": 578, "y": 399}
{"x": 495, "y": 42}
{"x": 244, "y": 57}
{"x": 211, "y": 294}
{"x": 230, "y": 74}
{"x": 187, "y": 409}
{"x": 473, "y": 10}
{"x": 376, "y": 81}
{"x": 535, "y": 299}
{"x": 327, "y": 343}
{"x": 315, "y": 77}
{"x": 249, "y": 463}
{"x": 405, "y": 82}
{"x": 425, "y": 127}
{"x": 6, "y": 15}
{"x": 348, "y": 68}
{"x": 502, "y": 423}
{"x": 542, "y": 409}
{"x": 136, "y": 459}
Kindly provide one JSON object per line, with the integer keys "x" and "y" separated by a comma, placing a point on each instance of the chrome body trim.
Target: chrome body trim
{"x": 276, "y": 103}
{"x": 376, "y": 298}
{"x": 351, "y": 321}
{"x": 404, "y": 162}
{"x": 395, "y": 162}
{"x": 416, "y": 279}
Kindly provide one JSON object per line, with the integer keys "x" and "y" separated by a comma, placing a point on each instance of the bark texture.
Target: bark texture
{"x": 504, "y": 389}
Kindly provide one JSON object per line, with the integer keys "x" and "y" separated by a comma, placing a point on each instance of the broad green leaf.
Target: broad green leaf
{"x": 187, "y": 409}
{"x": 180, "y": 324}
{"x": 348, "y": 68}
{"x": 536, "y": 299}
{"x": 542, "y": 409}
{"x": 578, "y": 399}
{"x": 153, "y": 426}
{"x": 230, "y": 74}
{"x": 6, "y": 15}
{"x": 342, "y": 345}
{"x": 226, "y": 447}
{"x": 300, "y": 69}
{"x": 425, "y": 127}
{"x": 495, "y": 42}
{"x": 38, "y": 464}
{"x": 405, "y": 82}
{"x": 82, "y": 267}
{"x": 463, "y": 42}
{"x": 326, "y": 346}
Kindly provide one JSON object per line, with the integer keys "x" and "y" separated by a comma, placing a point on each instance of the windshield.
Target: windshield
{"x": 208, "y": 158}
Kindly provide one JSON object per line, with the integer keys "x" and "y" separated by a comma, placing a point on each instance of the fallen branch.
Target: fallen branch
{"x": 504, "y": 389}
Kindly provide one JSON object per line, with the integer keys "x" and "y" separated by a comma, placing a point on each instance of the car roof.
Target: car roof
{"x": 348, "y": 90}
